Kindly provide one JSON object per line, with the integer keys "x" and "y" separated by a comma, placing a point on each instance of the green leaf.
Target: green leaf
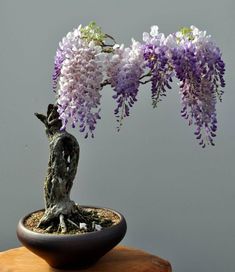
{"x": 187, "y": 32}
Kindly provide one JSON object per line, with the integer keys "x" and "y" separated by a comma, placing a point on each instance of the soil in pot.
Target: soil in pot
{"x": 89, "y": 220}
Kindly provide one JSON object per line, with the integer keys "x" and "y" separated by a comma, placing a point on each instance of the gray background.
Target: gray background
{"x": 178, "y": 199}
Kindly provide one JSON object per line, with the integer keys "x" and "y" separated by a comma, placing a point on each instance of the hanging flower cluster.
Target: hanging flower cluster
{"x": 79, "y": 66}
{"x": 124, "y": 69}
{"x": 200, "y": 69}
{"x": 156, "y": 55}
{"x": 85, "y": 63}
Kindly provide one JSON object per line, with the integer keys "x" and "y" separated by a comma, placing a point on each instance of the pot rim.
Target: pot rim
{"x": 66, "y": 236}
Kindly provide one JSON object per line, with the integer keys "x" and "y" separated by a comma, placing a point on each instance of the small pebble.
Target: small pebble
{"x": 98, "y": 227}
{"x": 83, "y": 226}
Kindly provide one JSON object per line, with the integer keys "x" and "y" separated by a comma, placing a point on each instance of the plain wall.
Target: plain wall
{"x": 177, "y": 198}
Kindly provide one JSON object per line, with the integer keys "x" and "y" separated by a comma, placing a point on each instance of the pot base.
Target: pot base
{"x": 72, "y": 251}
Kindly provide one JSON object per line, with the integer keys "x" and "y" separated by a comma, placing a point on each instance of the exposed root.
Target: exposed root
{"x": 71, "y": 220}
{"x": 49, "y": 229}
{"x": 74, "y": 224}
{"x": 53, "y": 213}
{"x": 62, "y": 224}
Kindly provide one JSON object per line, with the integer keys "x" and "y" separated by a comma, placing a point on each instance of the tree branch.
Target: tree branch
{"x": 105, "y": 82}
{"x": 42, "y": 118}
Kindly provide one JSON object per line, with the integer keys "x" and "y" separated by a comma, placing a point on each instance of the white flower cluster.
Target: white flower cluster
{"x": 154, "y": 37}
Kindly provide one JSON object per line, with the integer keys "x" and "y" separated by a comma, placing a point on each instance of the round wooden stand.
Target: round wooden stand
{"x": 120, "y": 259}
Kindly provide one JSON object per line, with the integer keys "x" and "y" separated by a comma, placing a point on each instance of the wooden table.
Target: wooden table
{"x": 120, "y": 259}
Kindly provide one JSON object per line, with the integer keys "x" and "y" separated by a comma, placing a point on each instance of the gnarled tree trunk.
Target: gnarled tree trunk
{"x": 62, "y": 168}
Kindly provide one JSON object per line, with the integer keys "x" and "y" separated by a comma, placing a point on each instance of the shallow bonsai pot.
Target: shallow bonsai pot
{"x": 72, "y": 250}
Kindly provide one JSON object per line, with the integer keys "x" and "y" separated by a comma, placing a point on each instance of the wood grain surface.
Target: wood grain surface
{"x": 120, "y": 259}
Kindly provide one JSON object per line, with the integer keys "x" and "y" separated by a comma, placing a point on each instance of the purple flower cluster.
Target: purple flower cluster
{"x": 156, "y": 55}
{"x": 200, "y": 69}
{"x": 80, "y": 67}
{"x": 84, "y": 64}
{"x": 124, "y": 69}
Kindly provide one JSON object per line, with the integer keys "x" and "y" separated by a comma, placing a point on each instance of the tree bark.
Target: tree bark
{"x": 62, "y": 168}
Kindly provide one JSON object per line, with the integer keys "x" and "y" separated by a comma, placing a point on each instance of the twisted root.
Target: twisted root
{"x": 66, "y": 218}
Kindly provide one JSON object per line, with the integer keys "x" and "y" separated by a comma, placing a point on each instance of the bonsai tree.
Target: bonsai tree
{"x": 86, "y": 61}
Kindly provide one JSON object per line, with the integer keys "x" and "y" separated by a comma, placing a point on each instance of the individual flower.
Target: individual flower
{"x": 199, "y": 67}
{"x": 124, "y": 69}
{"x": 156, "y": 56}
{"x": 81, "y": 75}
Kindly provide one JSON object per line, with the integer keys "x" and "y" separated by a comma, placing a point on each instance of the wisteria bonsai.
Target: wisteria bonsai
{"x": 86, "y": 61}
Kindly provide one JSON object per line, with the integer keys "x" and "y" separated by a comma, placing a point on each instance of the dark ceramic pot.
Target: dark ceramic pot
{"x": 72, "y": 251}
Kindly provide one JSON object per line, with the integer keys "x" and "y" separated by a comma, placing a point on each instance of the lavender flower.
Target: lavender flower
{"x": 71, "y": 40}
{"x": 81, "y": 74}
{"x": 200, "y": 69}
{"x": 156, "y": 55}
{"x": 124, "y": 69}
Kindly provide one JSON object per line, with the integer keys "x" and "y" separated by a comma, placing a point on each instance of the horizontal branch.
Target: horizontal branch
{"x": 144, "y": 82}
{"x": 105, "y": 82}
{"x": 146, "y": 75}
